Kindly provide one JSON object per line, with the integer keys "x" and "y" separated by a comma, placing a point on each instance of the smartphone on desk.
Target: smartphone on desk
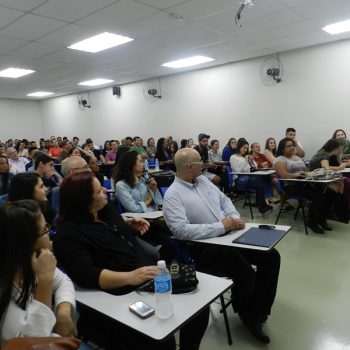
{"x": 141, "y": 309}
{"x": 267, "y": 227}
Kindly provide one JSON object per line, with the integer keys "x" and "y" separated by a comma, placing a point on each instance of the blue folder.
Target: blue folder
{"x": 260, "y": 237}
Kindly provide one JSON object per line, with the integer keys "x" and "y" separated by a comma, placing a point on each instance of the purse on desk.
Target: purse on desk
{"x": 42, "y": 343}
{"x": 183, "y": 279}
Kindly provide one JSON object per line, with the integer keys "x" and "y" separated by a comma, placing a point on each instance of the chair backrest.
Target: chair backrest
{"x": 118, "y": 205}
{"x": 229, "y": 175}
{"x": 151, "y": 162}
{"x": 162, "y": 190}
{"x": 107, "y": 184}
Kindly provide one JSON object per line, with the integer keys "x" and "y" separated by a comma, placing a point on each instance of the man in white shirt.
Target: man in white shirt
{"x": 194, "y": 208}
{"x": 17, "y": 164}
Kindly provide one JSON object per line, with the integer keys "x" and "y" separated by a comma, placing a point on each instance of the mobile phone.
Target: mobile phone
{"x": 267, "y": 227}
{"x": 146, "y": 176}
{"x": 141, "y": 309}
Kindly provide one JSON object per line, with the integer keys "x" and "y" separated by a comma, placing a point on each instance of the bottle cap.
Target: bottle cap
{"x": 161, "y": 263}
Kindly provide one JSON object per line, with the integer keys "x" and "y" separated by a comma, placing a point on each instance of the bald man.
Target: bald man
{"x": 194, "y": 208}
{"x": 73, "y": 164}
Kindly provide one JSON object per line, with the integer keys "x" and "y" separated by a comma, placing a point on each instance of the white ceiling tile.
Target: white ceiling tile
{"x": 34, "y": 50}
{"x": 10, "y": 61}
{"x": 115, "y": 16}
{"x": 31, "y": 27}
{"x": 8, "y": 15}
{"x": 163, "y": 4}
{"x": 68, "y": 35}
{"x": 8, "y": 44}
{"x": 294, "y": 3}
{"x": 70, "y": 10}
{"x": 24, "y": 5}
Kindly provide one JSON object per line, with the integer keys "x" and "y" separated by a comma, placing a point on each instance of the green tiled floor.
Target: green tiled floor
{"x": 312, "y": 307}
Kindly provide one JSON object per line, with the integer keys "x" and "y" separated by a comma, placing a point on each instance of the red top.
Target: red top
{"x": 55, "y": 151}
{"x": 260, "y": 159}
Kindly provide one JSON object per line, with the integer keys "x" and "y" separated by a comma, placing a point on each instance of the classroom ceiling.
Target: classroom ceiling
{"x": 34, "y": 34}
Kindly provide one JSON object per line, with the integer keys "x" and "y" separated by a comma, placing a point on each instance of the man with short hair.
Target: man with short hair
{"x": 196, "y": 209}
{"x": 202, "y": 149}
{"x": 75, "y": 141}
{"x": 96, "y": 153}
{"x": 112, "y": 153}
{"x": 138, "y": 147}
{"x": 17, "y": 164}
{"x": 129, "y": 141}
{"x": 73, "y": 164}
{"x": 67, "y": 146}
{"x": 298, "y": 150}
{"x": 44, "y": 166}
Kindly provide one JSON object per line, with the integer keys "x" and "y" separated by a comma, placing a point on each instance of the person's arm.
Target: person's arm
{"x": 299, "y": 150}
{"x": 325, "y": 164}
{"x": 269, "y": 156}
{"x": 155, "y": 194}
{"x": 127, "y": 200}
{"x": 178, "y": 223}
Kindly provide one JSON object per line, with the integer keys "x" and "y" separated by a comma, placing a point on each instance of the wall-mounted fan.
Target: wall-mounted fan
{"x": 83, "y": 102}
{"x": 151, "y": 91}
{"x": 271, "y": 71}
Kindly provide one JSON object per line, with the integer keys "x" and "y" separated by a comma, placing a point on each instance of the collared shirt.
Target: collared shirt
{"x": 133, "y": 198}
{"x": 18, "y": 166}
{"x": 195, "y": 210}
{"x": 214, "y": 157}
{"x": 111, "y": 155}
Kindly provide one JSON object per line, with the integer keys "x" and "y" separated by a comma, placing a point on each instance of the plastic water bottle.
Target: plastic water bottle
{"x": 145, "y": 165}
{"x": 162, "y": 289}
{"x": 156, "y": 163}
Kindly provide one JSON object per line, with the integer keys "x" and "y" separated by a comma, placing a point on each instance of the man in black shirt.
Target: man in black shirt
{"x": 202, "y": 149}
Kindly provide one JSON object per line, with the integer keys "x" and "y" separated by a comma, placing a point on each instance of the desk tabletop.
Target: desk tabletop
{"x": 310, "y": 181}
{"x": 255, "y": 173}
{"x": 185, "y": 305}
{"x": 345, "y": 171}
{"x": 227, "y": 239}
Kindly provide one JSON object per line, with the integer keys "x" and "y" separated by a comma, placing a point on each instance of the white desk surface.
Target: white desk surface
{"x": 149, "y": 215}
{"x": 185, "y": 305}
{"x": 254, "y": 173}
{"x": 345, "y": 171}
{"x": 313, "y": 181}
{"x": 229, "y": 237}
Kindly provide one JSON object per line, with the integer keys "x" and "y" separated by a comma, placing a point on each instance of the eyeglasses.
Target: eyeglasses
{"x": 198, "y": 163}
{"x": 289, "y": 146}
{"x": 47, "y": 231}
{"x": 84, "y": 167}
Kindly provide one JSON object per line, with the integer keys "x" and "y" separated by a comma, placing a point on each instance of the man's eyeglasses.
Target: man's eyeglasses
{"x": 198, "y": 163}
{"x": 47, "y": 231}
{"x": 84, "y": 167}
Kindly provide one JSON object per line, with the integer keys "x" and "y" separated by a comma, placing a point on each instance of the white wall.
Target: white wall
{"x": 224, "y": 101}
{"x": 20, "y": 119}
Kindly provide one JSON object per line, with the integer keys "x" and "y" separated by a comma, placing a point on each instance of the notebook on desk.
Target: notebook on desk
{"x": 261, "y": 237}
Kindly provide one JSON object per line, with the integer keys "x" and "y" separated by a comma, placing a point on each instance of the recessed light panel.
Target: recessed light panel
{"x": 15, "y": 72}
{"x": 95, "y": 82}
{"x": 100, "y": 42}
{"x": 40, "y": 94}
{"x": 338, "y": 28}
{"x": 188, "y": 62}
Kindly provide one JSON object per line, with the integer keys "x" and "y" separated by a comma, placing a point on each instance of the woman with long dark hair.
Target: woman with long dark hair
{"x": 29, "y": 277}
{"x": 30, "y": 186}
{"x": 163, "y": 154}
{"x": 98, "y": 250}
{"x": 229, "y": 149}
{"x": 270, "y": 149}
{"x": 5, "y": 175}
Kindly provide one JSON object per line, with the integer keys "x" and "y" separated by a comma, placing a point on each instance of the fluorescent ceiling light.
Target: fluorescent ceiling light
{"x": 40, "y": 94}
{"x": 95, "y": 82}
{"x": 337, "y": 28}
{"x": 187, "y": 62}
{"x": 15, "y": 72}
{"x": 100, "y": 42}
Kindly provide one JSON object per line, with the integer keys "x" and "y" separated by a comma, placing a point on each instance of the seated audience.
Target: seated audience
{"x": 183, "y": 143}
{"x": 75, "y": 141}
{"x": 163, "y": 155}
{"x": 31, "y": 152}
{"x": 241, "y": 162}
{"x": 44, "y": 166}
{"x": 138, "y": 147}
{"x": 214, "y": 154}
{"x": 55, "y": 150}
{"x": 290, "y": 166}
{"x": 98, "y": 250}
{"x": 5, "y": 175}
{"x": 270, "y": 149}
{"x": 340, "y": 134}
{"x": 298, "y": 150}
{"x": 106, "y": 148}
{"x": 151, "y": 148}
{"x": 73, "y": 164}
{"x": 112, "y": 153}
{"x": 30, "y": 279}
{"x": 229, "y": 149}
{"x": 17, "y": 164}
{"x": 75, "y": 152}
{"x": 260, "y": 159}
{"x": 202, "y": 149}
{"x": 196, "y": 209}
{"x": 67, "y": 146}
{"x": 190, "y": 143}
{"x": 2, "y": 149}
{"x": 21, "y": 150}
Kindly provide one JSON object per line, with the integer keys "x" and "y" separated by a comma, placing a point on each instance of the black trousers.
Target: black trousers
{"x": 318, "y": 205}
{"x": 94, "y": 326}
{"x": 254, "y": 291}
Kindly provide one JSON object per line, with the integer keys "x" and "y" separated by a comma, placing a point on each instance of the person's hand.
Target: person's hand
{"x": 65, "y": 326}
{"x": 142, "y": 275}
{"x": 211, "y": 166}
{"x": 51, "y": 173}
{"x": 152, "y": 185}
{"x": 139, "y": 225}
{"x": 228, "y": 223}
{"x": 265, "y": 165}
{"x": 44, "y": 264}
{"x": 343, "y": 165}
{"x": 238, "y": 224}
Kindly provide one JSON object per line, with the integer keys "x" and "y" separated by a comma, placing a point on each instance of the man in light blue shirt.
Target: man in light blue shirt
{"x": 194, "y": 208}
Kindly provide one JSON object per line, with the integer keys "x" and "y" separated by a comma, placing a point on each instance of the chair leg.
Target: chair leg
{"x": 296, "y": 214}
{"x": 227, "y": 325}
{"x": 280, "y": 211}
{"x": 250, "y": 206}
{"x": 304, "y": 218}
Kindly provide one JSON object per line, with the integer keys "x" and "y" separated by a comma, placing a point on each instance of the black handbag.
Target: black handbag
{"x": 183, "y": 279}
